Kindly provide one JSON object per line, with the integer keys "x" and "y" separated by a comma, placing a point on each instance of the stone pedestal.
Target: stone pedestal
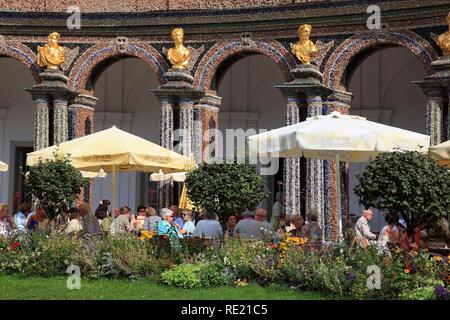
{"x": 437, "y": 89}
{"x": 304, "y": 96}
{"x": 51, "y": 98}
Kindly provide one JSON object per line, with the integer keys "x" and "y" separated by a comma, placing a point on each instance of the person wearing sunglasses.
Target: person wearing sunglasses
{"x": 189, "y": 226}
{"x": 167, "y": 225}
{"x": 140, "y": 218}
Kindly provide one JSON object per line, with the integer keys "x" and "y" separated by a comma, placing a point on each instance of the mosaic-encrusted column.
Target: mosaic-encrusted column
{"x": 435, "y": 88}
{"x": 291, "y": 175}
{"x": 52, "y": 94}
{"x": 186, "y": 126}
{"x": 81, "y": 123}
{"x": 434, "y": 110}
{"x": 447, "y": 117}
{"x": 337, "y": 101}
{"x": 166, "y": 140}
{"x": 60, "y": 119}
{"x": 314, "y": 169}
{"x": 206, "y": 126}
{"x": 197, "y": 136}
{"x": 307, "y": 86}
{"x": 41, "y": 123}
{"x": 166, "y": 124}
{"x": 81, "y": 116}
{"x": 434, "y": 122}
{"x": 177, "y": 92}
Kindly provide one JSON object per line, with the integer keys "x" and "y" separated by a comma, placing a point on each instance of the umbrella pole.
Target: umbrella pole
{"x": 113, "y": 197}
{"x": 338, "y": 190}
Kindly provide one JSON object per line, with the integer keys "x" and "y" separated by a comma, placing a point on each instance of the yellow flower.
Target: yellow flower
{"x": 437, "y": 258}
{"x": 406, "y": 270}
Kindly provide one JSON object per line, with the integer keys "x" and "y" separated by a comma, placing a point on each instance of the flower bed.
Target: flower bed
{"x": 330, "y": 269}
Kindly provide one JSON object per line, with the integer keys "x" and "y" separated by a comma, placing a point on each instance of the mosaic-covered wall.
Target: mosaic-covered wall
{"x": 217, "y": 36}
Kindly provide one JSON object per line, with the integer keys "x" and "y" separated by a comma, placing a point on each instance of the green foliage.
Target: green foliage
{"x": 226, "y": 188}
{"x": 408, "y": 183}
{"x": 330, "y": 269}
{"x": 200, "y": 275}
{"x": 425, "y": 293}
{"x": 134, "y": 258}
{"x": 237, "y": 255}
{"x": 54, "y": 183}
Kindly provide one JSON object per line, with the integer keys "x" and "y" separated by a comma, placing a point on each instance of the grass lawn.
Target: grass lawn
{"x": 19, "y": 287}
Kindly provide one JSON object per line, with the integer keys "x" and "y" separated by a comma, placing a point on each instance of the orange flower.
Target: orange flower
{"x": 407, "y": 270}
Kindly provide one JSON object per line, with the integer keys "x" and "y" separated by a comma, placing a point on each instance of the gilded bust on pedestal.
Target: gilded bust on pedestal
{"x": 178, "y": 55}
{"x": 304, "y": 49}
{"x": 51, "y": 55}
{"x": 444, "y": 39}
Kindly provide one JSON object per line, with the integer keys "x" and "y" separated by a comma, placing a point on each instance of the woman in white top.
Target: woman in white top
{"x": 74, "y": 227}
{"x": 389, "y": 233}
{"x": 188, "y": 227}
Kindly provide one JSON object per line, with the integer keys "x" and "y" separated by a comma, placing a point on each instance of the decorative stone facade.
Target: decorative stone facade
{"x": 219, "y": 35}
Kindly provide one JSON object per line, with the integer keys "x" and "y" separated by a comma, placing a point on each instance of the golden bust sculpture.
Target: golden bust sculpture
{"x": 444, "y": 39}
{"x": 51, "y": 56}
{"x": 304, "y": 49}
{"x": 178, "y": 55}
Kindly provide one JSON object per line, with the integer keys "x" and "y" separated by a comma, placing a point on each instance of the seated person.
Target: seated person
{"x": 312, "y": 231}
{"x": 298, "y": 221}
{"x": 74, "y": 226}
{"x": 167, "y": 226}
{"x": 250, "y": 228}
{"x": 208, "y": 228}
{"x": 362, "y": 230}
{"x": 151, "y": 219}
{"x": 188, "y": 226}
{"x": 389, "y": 233}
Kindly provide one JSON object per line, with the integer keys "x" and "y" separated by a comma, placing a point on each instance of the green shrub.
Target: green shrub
{"x": 133, "y": 258}
{"x": 424, "y": 293}
{"x": 183, "y": 276}
{"x": 202, "y": 275}
{"x": 52, "y": 256}
{"x": 237, "y": 255}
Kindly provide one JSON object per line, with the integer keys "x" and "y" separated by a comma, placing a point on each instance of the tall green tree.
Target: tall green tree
{"x": 408, "y": 183}
{"x": 54, "y": 183}
{"x": 226, "y": 188}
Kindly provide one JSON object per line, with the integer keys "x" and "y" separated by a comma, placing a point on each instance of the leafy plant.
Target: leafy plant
{"x": 408, "y": 183}
{"x": 226, "y": 188}
{"x": 55, "y": 183}
{"x": 200, "y": 275}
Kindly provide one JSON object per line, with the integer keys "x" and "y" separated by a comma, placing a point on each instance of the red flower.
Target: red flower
{"x": 13, "y": 246}
{"x": 245, "y": 280}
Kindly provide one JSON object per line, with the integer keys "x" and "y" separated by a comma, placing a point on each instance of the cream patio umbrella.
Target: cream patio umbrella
{"x": 113, "y": 150}
{"x": 441, "y": 153}
{"x": 336, "y": 137}
{"x": 3, "y": 167}
{"x": 89, "y": 174}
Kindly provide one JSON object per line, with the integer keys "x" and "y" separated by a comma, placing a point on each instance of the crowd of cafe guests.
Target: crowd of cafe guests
{"x": 81, "y": 221}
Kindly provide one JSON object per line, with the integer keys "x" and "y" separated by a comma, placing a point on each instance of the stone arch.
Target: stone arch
{"x": 97, "y": 58}
{"x": 22, "y": 53}
{"x": 223, "y": 51}
{"x": 349, "y": 50}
